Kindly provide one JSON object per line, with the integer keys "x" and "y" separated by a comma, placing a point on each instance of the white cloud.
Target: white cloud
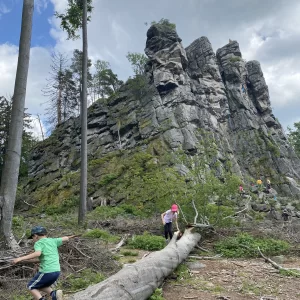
{"x": 268, "y": 31}
{"x": 60, "y": 5}
{"x": 41, "y": 5}
{"x": 4, "y": 9}
{"x": 38, "y": 129}
{"x": 39, "y": 68}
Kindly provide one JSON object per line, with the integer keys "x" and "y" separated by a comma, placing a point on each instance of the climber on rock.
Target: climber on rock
{"x": 268, "y": 184}
{"x": 285, "y": 215}
{"x": 259, "y": 184}
{"x": 241, "y": 190}
{"x": 243, "y": 88}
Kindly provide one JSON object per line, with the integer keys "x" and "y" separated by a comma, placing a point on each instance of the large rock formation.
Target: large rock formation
{"x": 184, "y": 94}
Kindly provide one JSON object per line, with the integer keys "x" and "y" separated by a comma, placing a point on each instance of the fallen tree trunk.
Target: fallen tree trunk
{"x": 138, "y": 281}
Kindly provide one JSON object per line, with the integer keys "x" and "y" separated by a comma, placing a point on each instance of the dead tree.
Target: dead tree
{"x": 138, "y": 281}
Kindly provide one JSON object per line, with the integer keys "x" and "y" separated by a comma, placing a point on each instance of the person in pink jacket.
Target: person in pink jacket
{"x": 167, "y": 217}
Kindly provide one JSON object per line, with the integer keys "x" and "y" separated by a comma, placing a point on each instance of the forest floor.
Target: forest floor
{"x": 234, "y": 280}
{"x": 226, "y": 279}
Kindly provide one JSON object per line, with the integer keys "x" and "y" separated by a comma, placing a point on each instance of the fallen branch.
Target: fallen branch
{"x": 185, "y": 220}
{"x": 198, "y": 225}
{"x": 196, "y": 211}
{"x": 29, "y": 204}
{"x": 293, "y": 271}
{"x": 121, "y": 243}
{"x": 21, "y": 238}
{"x": 218, "y": 256}
{"x": 202, "y": 249}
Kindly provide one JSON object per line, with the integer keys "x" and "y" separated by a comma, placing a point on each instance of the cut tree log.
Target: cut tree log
{"x": 138, "y": 281}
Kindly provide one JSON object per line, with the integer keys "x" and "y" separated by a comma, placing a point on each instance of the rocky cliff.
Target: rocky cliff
{"x": 185, "y": 94}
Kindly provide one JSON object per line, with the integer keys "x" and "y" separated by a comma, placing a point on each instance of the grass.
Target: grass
{"x": 129, "y": 253}
{"x": 157, "y": 295}
{"x": 101, "y": 234}
{"x": 81, "y": 280}
{"x": 290, "y": 273}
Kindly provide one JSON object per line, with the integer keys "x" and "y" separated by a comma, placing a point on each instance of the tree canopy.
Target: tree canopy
{"x": 294, "y": 137}
{"x": 71, "y": 20}
{"x": 138, "y": 62}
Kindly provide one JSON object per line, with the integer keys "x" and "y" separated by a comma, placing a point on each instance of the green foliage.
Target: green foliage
{"x": 65, "y": 206}
{"x": 211, "y": 185}
{"x": 138, "y": 86}
{"x": 235, "y": 59}
{"x": 165, "y": 22}
{"x": 182, "y": 272}
{"x": 129, "y": 253}
{"x": 28, "y": 141}
{"x": 273, "y": 148}
{"x": 106, "y": 179}
{"x": 138, "y": 62}
{"x": 17, "y": 221}
{"x": 294, "y": 137}
{"x": 147, "y": 242}
{"x": 290, "y": 273}
{"x": 20, "y": 297}
{"x": 71, "y": 20}
{"x": 101, "y": 234}
{"x": 147, "y": 183}
{"x": 245, "y": 245}
{"x": 107, "y": 212}
{"x": 82, "y": 280}
{"x": 157, "y": 295}
{"x": 105, "y": 83}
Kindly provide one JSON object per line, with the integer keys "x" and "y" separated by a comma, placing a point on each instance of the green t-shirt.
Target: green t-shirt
{"x": 49, "y": 259}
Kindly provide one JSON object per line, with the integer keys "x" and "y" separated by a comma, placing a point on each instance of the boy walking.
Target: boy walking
{"x": 45, "y": 249}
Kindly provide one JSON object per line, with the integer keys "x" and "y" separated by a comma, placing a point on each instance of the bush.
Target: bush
{"x": 235, "y": 59}
{"x": 66, "y": 206}
{"x": 157, "y": 295}
{"x": 82, "y": 280}
{"x": 245, "y": 245}
{"x": 107, "y": 212}
{"x": 101, "y": 234}
{"x": 147, "y": 242}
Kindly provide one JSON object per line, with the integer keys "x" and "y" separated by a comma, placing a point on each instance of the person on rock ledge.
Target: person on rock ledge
{"x": 241, "y": 190}
{"x": 45, "y": 249}
{"x": 167, "y": 217}
{"x": 259, "y": 184}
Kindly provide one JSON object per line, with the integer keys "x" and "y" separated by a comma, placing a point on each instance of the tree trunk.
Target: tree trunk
{"x": 11, "y": 167}
{"x": 139, "y": 280}
{"x": 83, "y": 174}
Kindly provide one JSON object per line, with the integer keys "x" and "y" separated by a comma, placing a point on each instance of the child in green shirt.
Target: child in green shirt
{"x": 45, "y": 249}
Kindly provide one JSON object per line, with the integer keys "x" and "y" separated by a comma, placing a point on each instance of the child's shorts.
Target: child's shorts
{"x": 42, "y": 280}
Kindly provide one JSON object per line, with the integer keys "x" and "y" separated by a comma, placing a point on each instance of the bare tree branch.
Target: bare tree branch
{"x": 196, "y": 211}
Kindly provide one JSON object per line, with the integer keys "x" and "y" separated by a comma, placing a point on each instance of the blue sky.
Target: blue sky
{"x": 11, "y": 24}
{"x": 267, "y": 31}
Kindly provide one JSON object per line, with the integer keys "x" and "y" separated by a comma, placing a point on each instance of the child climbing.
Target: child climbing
{"x": 241, "y": 190}
{"x": 259, "y": 184}
{"x": 167, "y": 218}
{"x": 45, "y": 249}
{"x": 243, "y": 88}
{"x": 268, "y": 184}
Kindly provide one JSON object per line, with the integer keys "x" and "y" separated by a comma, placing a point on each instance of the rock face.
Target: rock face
{"x": 185, "y": 94}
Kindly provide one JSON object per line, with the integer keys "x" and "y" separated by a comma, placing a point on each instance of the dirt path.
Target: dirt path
{"x": 234, "y": 280}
